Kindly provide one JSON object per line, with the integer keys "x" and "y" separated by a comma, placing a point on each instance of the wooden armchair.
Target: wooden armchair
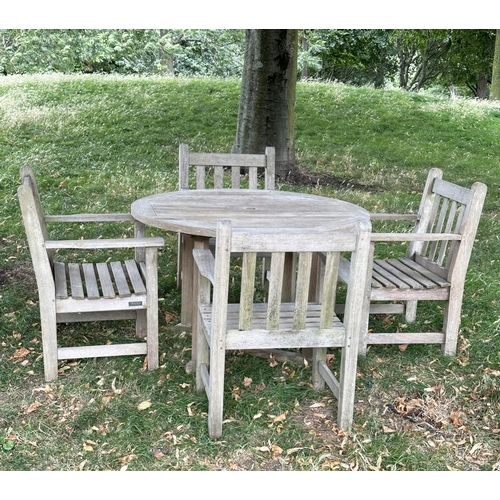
{"x": 70, "y": 292}
{"x": 277, "y": 324}
{"x": 435, "y": 265}
{"x": 221, "y": 171}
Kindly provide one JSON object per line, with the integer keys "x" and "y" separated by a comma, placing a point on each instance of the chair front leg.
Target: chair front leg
{"x": 49, "y": 339}
{"x": 152, "y": 307}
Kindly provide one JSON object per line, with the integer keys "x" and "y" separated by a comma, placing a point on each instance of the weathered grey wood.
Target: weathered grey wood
{"x": 75, "y": 281}
{"x": 435, "y": 264}
{"x": 247, "y": 290}
{"x": 99, "y": 351}
{"x": 108, "y": 290}
{"x": 90, "y": 277}
{"x": 196, "y": 212}
{"x": 275, "y": 325}
{"x": 60, "y": 280}
{"x": 92, "y": 295}
{"x": 206, "y": 163}
{"x": 89, "y": 218}
{"x": 205, "y": 262}
{"x": 104, "y": 243}
{"x": 117, "y": 268}
{"x": 135, "y": 277}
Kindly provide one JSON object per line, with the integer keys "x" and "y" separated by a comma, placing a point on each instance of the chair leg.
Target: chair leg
{"x": 152, "y": 307}
{"x": 141, "y": 324}
{"x": 451, "y": 323}
{"x": 318, "y": 354}
{"x": 411, "y": 311}
{"x": 49, "y": 341}
{"x": 179, "y": 261}
{"x": 202, "y": 355}
{"x": 216, "y": 389}
{"x": 365, "y": 310}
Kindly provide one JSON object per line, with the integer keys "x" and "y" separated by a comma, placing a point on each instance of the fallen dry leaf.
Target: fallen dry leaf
{"x": 317, "y": 405}
{"x": 280, "y": 418}
{"x": 144, "y": 405}
{"x": 33, "y": 406}
{"x": 276, "y": 449}
{"x": 247, "y": 381}
{"x": 19, "y": 354}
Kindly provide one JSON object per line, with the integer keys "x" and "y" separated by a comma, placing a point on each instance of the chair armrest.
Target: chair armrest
{"x": 89, "y": 218}
{"x": 376, "y": 216}
{"x": 414, "y": 236}
{"x": 106, "y": 243}
{"x": 206, "y": 263}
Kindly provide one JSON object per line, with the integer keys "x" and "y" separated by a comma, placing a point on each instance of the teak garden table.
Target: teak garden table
{"x": 195, "y": 213}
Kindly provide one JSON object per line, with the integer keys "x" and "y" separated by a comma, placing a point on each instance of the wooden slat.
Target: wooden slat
{"x": 200, "y": 177}
{"x": 107, "y": 288}
{"x": 247, "y": 290}
{"x": 330, "y": 277}
{"x": 97, "y": 351}
{"x": 90, "y": 281}
{"x": 135, "y": 277}
{"x": 433, "y": 268}
{"x": 302, "y": 290}
{"x": 60, "y": 280}
{"x": 381, "y": 267}
{"x": 75, "y": 280}
{"x": 218, "y": 177}
{"x": 453, "y": 191}
{"x": 412, "y": 273}
{"x": 120, "y": 279}
{"x": 235, "y": 177}
{"x": 275, "y": 289}
{"x": 227, "y": 159}
{"x": 252, "y": 177}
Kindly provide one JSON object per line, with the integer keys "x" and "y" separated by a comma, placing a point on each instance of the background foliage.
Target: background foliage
{"x": 410, "y": 59}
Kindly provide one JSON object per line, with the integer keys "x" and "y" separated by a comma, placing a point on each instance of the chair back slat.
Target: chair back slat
{"x": 302, "y": 290}
{"x": 211, "y": 169}
{"x": 275, "y": 290}
{"x": 329, "y": 288}
{"x": 247, "y": 290}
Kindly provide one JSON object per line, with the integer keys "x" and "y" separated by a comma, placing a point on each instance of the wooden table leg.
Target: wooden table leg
{"x": 202, "y": 243}
{"x": 187, "y": 271}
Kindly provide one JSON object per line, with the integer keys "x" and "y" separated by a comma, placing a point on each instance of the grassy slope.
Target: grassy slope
{"x": 99, "y": 143}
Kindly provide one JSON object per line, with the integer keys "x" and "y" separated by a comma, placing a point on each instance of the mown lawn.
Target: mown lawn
{"x": 99, "y": 143}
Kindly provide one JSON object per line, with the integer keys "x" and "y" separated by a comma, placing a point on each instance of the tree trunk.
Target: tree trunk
{"x": 266, "y": 114}
{"x": 495, "y": 79}
{"x": 481, "y": 87}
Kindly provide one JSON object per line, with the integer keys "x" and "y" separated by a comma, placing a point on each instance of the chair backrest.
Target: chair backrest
{"x": 451, "y": 209}
{"x": 304, "y": 244}
{"x": 36, "y": 229}
{"x": 217, "y": 163}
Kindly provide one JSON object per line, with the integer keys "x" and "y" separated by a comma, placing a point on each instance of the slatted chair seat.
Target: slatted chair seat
{"x": 74, "y": 291}
{"x": 89, "y": 281}
{"x": 435, "y": 265}
{"x": 405, "y": 274}
{"x": 279, "y": 322}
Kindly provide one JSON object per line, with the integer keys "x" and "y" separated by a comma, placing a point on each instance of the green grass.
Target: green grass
{"x": 99, "y": 143}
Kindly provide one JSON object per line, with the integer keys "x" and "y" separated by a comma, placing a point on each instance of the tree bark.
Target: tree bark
{"x": 266, "y": 114}
{"x": 495, "y": 78}
{"x": 481, "y": 87}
